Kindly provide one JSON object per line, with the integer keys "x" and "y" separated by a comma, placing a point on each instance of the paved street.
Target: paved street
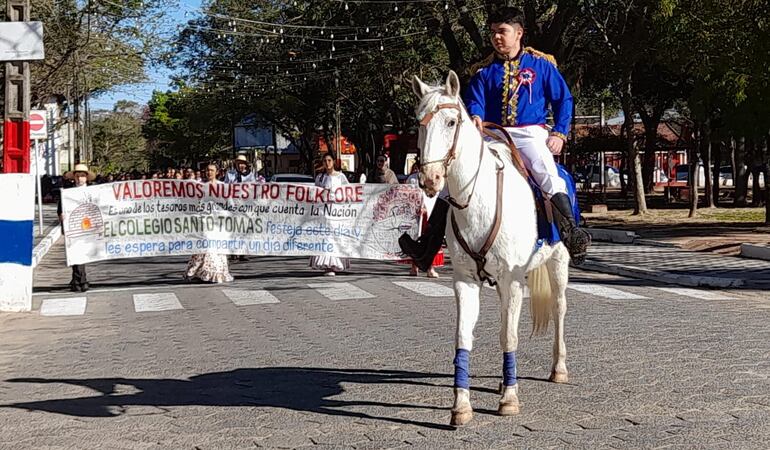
{"x": 282, "y": 358}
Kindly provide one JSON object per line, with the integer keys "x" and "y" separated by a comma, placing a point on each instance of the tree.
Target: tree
{"x": 118, "y": 142}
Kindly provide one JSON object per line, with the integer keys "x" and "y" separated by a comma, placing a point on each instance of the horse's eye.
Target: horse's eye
{"x": 451, "y": 123}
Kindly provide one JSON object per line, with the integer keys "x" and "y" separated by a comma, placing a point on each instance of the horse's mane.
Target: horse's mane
{"x": 430, "y": 102}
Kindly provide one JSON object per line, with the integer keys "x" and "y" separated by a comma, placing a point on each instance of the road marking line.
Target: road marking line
{"x": 340, "y": 291}
{"x": 71, "y": 306}
{"x": 695, "y": 293}
{"x": 133, "y": 288}
{"x": 604, "y": 291}
{"x": 156, "y": 302}
{"x": 244, "y": 298}
{"x": 426, "y": 288}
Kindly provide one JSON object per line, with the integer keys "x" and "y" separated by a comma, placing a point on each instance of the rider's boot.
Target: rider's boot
{"x": 424, "y": 249}
{"x": 576, "y": 239}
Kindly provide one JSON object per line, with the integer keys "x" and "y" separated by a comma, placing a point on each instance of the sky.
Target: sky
{"x": 158, "y": 77}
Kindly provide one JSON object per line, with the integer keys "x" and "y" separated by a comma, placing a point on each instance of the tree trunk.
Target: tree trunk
{"x": 634, "y": 164}
{"x": 707, "y": 163}
{"x": 716, "y": 150}
{"x": 693, "y": 179}
{"x": 741, "y": 178}
{"x": 651, "y": 122}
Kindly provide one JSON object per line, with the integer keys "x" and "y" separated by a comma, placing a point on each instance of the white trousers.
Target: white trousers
{"x": 531, "y": 142}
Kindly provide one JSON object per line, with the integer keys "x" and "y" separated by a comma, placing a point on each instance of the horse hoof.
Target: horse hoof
{"x": 460, "y": 418}
{"x": 508, "y": 409}
{"x": 558, "y": 377}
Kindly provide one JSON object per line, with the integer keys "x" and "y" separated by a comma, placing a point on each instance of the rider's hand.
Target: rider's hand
{"x": 555, "y": 144}
{"x": 478, "y": 123}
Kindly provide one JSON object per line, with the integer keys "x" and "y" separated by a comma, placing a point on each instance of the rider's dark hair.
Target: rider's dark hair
{"x": 506, "y": 14}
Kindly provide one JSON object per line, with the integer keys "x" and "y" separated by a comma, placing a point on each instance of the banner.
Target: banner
{"x": 144, "y": 218}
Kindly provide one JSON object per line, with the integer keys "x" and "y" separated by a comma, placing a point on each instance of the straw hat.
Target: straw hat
{"x": 80, "y": 168}
{"x": 242, "y": 158}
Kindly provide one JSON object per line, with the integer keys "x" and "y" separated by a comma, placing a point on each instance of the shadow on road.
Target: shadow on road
{"x": 293, "y": 388}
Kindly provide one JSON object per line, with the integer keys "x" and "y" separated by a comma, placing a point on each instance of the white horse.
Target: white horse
{"x": 453, "y": 152}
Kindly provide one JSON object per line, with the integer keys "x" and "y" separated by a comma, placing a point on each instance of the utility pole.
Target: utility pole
{"x": 16, "y": 155}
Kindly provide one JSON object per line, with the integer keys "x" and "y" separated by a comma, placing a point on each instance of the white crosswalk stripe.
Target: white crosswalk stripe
{"x": 73, "y": 306}
{"x": 696, "y": 293}
{"x": 526, "y": 289}
{"x": 340, "y": 291}
{"x": 241, "y": 297}
{"x": 156, "y": 302}
{"x": 426, "y": 288}
{"x": 604, "y": 291}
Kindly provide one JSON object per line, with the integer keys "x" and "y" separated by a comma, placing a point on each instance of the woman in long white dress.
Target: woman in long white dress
{"x": 209, "y": 267}
{"x": 329, "y": 178}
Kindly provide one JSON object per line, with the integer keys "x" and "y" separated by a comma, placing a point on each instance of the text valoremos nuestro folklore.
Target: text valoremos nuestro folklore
{"x": 146, "y": 218}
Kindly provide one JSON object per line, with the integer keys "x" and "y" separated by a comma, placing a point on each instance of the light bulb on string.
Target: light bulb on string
{"x": 281, "y": 30}
{"x": 446, "y": 6}
{"x": 281, "y": 40}
{"x": 395, "y": 8}
{"x": 322, "y": 31}
{"x": 331, "y": 36}
{"x": 382, "y": 47}
{"x": 367, "y": 29}
{"x": 346, "y": 6}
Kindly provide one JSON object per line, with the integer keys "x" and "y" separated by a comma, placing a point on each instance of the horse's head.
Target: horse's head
{"x": 440, "y": 113}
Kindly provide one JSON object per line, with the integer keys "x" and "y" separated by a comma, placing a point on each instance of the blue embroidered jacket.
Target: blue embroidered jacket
{"x": 517, "y": 92}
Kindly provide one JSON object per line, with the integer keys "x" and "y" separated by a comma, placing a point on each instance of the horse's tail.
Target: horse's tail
{"x": 541, "y": 299}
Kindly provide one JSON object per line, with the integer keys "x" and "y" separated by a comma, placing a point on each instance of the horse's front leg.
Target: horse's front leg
{"x": 467, "y": 297}
{"x": 511, "y": 294}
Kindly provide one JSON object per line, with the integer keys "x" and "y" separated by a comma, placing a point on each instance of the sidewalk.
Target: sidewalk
{"x": 679, "y": 266}
{"x": 42, "y": 242}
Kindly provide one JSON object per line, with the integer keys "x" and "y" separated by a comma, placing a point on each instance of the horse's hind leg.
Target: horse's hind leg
{"x": 510, "y": 292}
{"x": 558, "y": 271}
{"x": 467, "y": 298}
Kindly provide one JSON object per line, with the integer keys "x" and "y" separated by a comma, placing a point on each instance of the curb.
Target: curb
{"x": 45, "y": 245}
{"x": 666, "y": 277}
{"x": 610, "y": 235}
{"x": 755, "y": 251}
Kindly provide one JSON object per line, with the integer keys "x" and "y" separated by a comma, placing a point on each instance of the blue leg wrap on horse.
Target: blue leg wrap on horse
{"x": 462, "y": 363}
{"x": 509, "y": 368}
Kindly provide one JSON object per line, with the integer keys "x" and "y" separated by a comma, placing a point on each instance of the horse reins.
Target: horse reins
{"x": 452, "y": 154}
{"x": 480, "y": 257}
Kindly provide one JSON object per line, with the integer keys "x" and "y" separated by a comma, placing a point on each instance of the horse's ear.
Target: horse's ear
{"x": 419, "y": 87}
{"x": 452, "y": 84}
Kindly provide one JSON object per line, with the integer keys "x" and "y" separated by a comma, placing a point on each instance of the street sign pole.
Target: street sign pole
{"x": 39, "y": 190}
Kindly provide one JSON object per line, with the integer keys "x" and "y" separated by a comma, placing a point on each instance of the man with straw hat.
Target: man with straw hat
{"x": 242, "y": 172}
{"x": 81, "y": 175}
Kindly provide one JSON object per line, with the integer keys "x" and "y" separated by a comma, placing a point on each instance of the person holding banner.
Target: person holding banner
{"x": 81, "y": 176}
{"x": 330, "y": 178}
{"x": 209, "y": 267}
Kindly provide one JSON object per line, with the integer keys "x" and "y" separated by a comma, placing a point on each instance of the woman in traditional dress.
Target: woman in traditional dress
{"x": 209, "y": 267}
{"x": 329, "y": 178}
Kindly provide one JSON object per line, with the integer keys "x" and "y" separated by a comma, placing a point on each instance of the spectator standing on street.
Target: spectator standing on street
{"x": 81, "y": 176}
{"x": 382, "y": 174}
{"x": 209, "y": 267}
{"x": 330, "y": 178}
{"x": 242, "y": 172}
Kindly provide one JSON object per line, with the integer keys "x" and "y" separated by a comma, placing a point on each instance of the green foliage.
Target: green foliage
{"x": 93, "y": 46}
{"x": 117, "y": 140}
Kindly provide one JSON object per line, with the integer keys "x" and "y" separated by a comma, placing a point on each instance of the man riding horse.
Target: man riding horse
{"x": 513, "y": 88}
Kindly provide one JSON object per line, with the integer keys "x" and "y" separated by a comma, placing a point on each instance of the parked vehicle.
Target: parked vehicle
{"x": 296, "y": 178}
{"x": 611, "y": 175}
{"x": 726, "y": 177}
